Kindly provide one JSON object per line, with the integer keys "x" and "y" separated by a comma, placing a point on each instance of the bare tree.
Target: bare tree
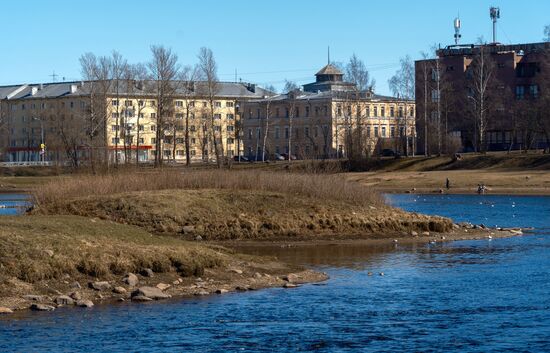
{"x": 97, "y": 73}
{"x": 163, "y": 70}
{"x": 481, "y": 78}
{"x": 546, "y": 34}
{"x": 209, "y": 71}
{"x": 402, "y": 86}
{"x": 292, "y": 90}
{"x": 425, "y": 70}
{"x": 189, "y": 76}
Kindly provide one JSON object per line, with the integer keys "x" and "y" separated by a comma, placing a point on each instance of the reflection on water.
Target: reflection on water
{"x": 465, "y": 296}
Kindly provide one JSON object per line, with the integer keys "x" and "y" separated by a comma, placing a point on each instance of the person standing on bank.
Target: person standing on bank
{"x": 448, "y": 184}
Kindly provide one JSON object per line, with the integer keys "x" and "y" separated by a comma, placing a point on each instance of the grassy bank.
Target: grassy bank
{"x": 45, "y": 256}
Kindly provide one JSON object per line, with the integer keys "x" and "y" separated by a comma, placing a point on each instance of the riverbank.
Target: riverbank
{"x": 47, "y": 261}
{"x": 527, "y": 182}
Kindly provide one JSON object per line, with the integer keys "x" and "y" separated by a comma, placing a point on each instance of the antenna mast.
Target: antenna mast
{"x": 328, "y": 55}
{"x": 53, "y": 76}
{"x": 457, "y": 25}
{"x": 494, "y": 12}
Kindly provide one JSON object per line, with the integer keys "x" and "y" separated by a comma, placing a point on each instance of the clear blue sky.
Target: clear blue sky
{"x": 266, "y": 41}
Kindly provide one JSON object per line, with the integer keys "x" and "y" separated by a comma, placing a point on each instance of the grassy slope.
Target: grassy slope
{"x": 232, "y": 214}
{"x": 86, "y": 248}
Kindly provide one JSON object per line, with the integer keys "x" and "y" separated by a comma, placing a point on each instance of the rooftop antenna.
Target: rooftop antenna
{"x": 53, "y": 76}
{"x": 494, "y": 12}
{"x": 328, "y": 55}
{"x": 457, "y": 25}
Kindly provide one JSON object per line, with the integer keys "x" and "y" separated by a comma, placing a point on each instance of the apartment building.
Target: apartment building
{"x": 62, "y": 118}
{"x": 513, "y": 79}
{"x": 329, "y": 118}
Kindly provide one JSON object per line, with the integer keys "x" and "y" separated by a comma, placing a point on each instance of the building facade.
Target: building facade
{"x": 59, "y": 122}
{"x": 485, "y": 97}
{"x": 329, "y": 118}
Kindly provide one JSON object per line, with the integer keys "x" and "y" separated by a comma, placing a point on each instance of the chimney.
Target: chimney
{"x": 41, "y": 86}
{"x": 251, "y": 87}
{"x": 73, "y": 88}
{"x": 34, "y": 90}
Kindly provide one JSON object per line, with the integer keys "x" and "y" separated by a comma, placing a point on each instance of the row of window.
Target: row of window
{"x": 43, "y": 105}
{"x": 192, "y": 141}
{"x": 178, "y": 103}
{"x": 179, "y": 116}
{"x": 192, "y": 128}
{"x": 339, "y": 112}
{"x": 377, "y": 131}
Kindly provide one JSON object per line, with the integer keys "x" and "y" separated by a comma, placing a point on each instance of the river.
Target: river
{"x": 474, "y": 296}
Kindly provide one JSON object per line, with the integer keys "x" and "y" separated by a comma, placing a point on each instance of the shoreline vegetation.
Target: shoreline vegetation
{"x": 173, "y": 231}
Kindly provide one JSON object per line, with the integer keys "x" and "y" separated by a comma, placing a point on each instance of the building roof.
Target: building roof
{"x": 329, "y": 69}
{"x": 326, "y": 95}
{"x": 82, "y": 88}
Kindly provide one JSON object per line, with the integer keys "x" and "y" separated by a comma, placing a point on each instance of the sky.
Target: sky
{"x": 265, "y": 42}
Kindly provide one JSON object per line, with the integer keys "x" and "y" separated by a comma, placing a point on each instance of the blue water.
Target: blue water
{"x": 466, "y": 296}
{"x": 13, "y": 204}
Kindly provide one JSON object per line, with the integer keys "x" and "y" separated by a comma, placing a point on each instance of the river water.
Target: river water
{"x": 464, "y": 296}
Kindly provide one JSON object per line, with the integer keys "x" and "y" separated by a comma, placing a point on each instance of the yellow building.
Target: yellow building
{"x": 329, "y": 118}
{"x": 63, "y": 118}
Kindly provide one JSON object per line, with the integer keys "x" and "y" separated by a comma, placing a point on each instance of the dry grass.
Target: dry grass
{"x": 317, "y": 186}
{"x": 91, "y": 248}
{"x": 233, "y": 214}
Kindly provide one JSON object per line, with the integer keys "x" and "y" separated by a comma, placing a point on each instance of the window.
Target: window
{"x": 179, "y": 104}
{"x": 520, "y": 92}
{"x": 392, "y": 111}
{"x": 367, "y": 111}
{"x": 306, "y": 131}
{"x": 179, "y": 116}
{"x": 179, "y": 153}
{"x": 383, "y": 111}
{"x": 325, "y": 108}
{"x": 204, "y": 105}
{"x": 258, "y": 113}
{"x": 316, "y": 131}
{"x": 375, "y": 111}
{"x": 250, "y": 134}
{"x": 193, "y": 141}
{"x": 179, "y": 140}
{"x": 230, "y": 140}
{"x": 128, "y": 103}
{"x": 258, "y": 133}
{"x": 534, "y": 91}
{"x": 153, "y": 128}
{"x": 216, "y": 128}
{"x": 141, "y": 140}
{"x": 192, "y": 152}
{"x": 217, "y": 104}
{"x": 435, "y": 95}
{"x": 383, "y": 131}
{"x": 297, "y": 112}
{"x": 277, "y": 149}
{"x": 230, "y": 128}
{"x": 376, "y": 131}
{"x": 450, "y": 68}
{"x": 392, "y": 131}
{"x": 115, "y": 115}
{"x": 152, "y": 103}
{"x": 276, "y": 132}
{"x": 141, "y": 115}
{"x": 229, "y": 104}
{"x": 71, "y": 105}
{"x": 307, "y": 112}
{"x": 435, "y": 74}
{"x": 286, "y": 132}
{"x": 115, "y": 140}
{"x": 217, "y": 116}
{"x": 153, "y": 140}
{"x": 287, "y": 112}
{"x": 338, "y": 110}
{"x": 192, "y": 128}
{"x": 114, "y": 127}
{"x": 230, "y": 117}
{"x": 114, "y": 102}
{"x": 401, "y": 131}
{"x": 153, "y": 115}
{"x": 140, "y": 103}
{"x": 277, "y": 112}
{"x": 400, "y": 112}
